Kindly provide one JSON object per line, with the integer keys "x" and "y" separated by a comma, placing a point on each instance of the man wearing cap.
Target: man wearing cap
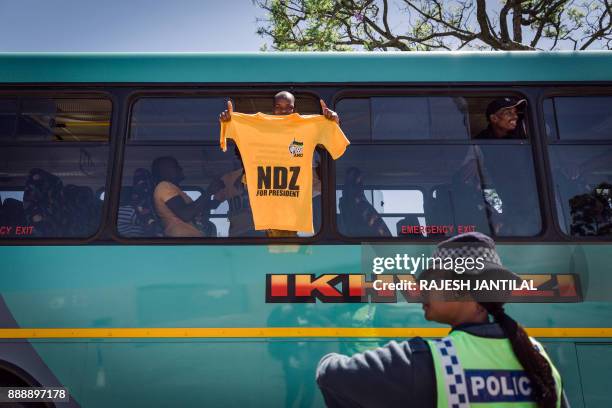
{"x": 479, "y": 362}
{"x": 476, "y": 174}
{"x": 503, "y": 117}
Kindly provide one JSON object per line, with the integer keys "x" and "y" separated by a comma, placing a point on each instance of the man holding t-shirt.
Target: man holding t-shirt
{"x": 284, "y": 105}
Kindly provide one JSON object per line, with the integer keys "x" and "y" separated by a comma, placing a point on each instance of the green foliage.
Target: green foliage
{"x": 344, "y": 25}
{"x": 305, "y": 30}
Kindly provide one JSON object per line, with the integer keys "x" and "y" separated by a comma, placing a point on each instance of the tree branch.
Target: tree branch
{"x": 517, "y": 29}
{"x": 503, "y": 21}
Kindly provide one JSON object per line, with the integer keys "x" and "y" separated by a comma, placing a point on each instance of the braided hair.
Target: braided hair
{"x": 536, "y": 366}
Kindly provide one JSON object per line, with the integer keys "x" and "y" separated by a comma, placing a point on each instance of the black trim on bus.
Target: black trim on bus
{"x": 120, "y": 95}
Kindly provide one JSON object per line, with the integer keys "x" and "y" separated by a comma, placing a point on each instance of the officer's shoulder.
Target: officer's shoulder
{"x": 418, "y": 345}
{"x": 415, "y": 348}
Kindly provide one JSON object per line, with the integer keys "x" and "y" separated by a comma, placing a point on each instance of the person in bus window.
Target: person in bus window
{"x": 503, "y": 116}
{"x": 284, "y": 104}
{"x": 471, "y": 365}
{"x": 234, "y": 191}
{"x": 177, "y": 211}
{"x": 504, "y": 119}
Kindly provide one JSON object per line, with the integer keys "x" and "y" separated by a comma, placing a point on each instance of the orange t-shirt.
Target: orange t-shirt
{"x": 277, "y": 153}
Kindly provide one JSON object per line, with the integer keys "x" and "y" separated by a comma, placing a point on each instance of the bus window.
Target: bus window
{"x": 581, "y": 118}
{"x": 51, "y": 165}
{"x": 435, "y": 189}
{"x": 404, "y": 118}
{"x": 160, "y": 163}
{"x": 175, "y": 119}
{"x": 582, "y": 173}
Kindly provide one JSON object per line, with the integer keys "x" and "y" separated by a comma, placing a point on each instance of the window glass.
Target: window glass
{"x": 155, "y": 176}
{"x": 409, "y": 118}
{"x": 49, "y": 190}
{"x": 582, "y": 118}
{"x": 8, "y": 118}
{"x": 354, "y": 116}
{"x": 550, "y": 122}
{"x": 424, "y": 118}
{"x": 194, "y": 119}
{"x": 79, "y": 120}
{"x": 582, "y": 177}
{"x": 425, "y": 190}
{"x": 176, "y": 119}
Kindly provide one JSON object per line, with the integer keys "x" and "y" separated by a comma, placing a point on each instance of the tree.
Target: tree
{"x": 409, "y": 25}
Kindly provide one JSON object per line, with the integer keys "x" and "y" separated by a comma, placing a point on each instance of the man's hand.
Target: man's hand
{"x": 227, "y": 114}
{"x": 329, "y": 114}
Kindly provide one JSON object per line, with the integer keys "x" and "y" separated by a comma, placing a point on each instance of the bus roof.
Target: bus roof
{"x": 303, "y": 67}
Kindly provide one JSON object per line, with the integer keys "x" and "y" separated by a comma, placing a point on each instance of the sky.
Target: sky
{"x": 145, "y": 25}
{"x": 129, "y": 25}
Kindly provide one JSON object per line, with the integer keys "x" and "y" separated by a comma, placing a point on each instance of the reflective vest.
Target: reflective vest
{"x": 474, "y": 371}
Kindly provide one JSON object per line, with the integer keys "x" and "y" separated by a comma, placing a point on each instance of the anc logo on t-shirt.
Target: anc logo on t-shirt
{"x": 296, "y": 147}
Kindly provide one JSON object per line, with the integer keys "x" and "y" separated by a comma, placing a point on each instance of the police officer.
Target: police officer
{"x": 479, "y": 362}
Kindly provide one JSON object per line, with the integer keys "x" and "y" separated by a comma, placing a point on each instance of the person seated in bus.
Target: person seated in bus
{"x": 359, "y": 218}
{"x": 481, "y": 361}
{"x": 239, "y": 214}
{"x": 495, "y": 200}
{"x": 591, "y": 214}
{"x": 141, "y": 198}
{"x": 136, "y": 215}
{"x": 177, "y": 211}
{"x": 42, "y": 203}
{"x": 81, "y": 211}
{"x": 503, "y": 116}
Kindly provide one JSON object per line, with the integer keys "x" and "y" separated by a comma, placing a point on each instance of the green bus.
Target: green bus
{"x": 97, "y": 298}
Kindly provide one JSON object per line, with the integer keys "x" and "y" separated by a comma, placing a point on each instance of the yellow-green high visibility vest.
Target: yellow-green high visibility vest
{"x": 473, "y": 371}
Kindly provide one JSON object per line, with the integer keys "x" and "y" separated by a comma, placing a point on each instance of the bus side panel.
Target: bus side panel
{"x": 157, "y": 287}
{"x": 595, "y": 361}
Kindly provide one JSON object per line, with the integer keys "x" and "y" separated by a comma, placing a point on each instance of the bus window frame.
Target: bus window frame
{"x": 70, "y": 92}
{"x": 567, "y": 90}
{"x": 120, "y": 97}
{"x": 464, "y": 90}
{"x": 203, "y": 91}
